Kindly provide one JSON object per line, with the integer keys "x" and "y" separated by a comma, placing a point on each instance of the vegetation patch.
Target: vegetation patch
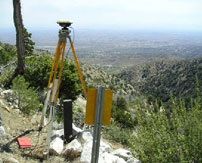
{"x": 26, "y": 97}
{"x": 38, "y": 71}
{"x": 163, "y": 134}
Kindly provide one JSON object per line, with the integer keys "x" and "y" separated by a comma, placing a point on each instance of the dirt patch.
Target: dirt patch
{"x": 16, "y": 124}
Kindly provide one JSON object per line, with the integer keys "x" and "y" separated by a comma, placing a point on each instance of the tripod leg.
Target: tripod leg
{"x": 78, "y": 68}
{"x": 51, "y": 119}
{"x": 54, "y": 91}
{"x": 50, "y": 127}
{"x": 60, "y": 72}
{"x": 45, "y": 105}
{"x": 55, "y": 71}
{"x": 53, "y": 64}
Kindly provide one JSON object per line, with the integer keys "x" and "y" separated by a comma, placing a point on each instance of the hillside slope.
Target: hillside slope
{"x": 94, "y": 76}
{"x": 161, "y": 79}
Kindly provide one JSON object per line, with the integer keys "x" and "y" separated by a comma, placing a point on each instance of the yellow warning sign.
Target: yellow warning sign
{"x": 91, "y": 105}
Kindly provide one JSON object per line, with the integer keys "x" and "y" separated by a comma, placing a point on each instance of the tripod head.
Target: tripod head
{"x": 64, "y": 32}
{"x": 64, "y": 24}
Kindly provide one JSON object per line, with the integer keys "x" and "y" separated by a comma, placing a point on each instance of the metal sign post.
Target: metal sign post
{"x": 98, "y": 113}
{"x": 98, "y": 124}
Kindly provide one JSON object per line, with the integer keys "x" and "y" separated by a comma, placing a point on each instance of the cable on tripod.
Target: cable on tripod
{"x": 73, "y": 34}
{"x": 67, "y": 52}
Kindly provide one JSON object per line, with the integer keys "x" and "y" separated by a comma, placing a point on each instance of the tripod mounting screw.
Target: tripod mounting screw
{"x": 64, "y": 24}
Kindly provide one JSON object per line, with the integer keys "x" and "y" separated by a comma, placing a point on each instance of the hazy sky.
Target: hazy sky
{"x": 116, "y": 14}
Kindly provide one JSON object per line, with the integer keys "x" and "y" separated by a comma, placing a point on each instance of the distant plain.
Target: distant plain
{"x": 117, "y": 50}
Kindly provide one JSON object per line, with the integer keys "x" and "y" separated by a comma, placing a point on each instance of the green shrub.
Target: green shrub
{"x": 7, "y": 53}
{"x": 121, "y": 103}
{"x": 38, "y": 71}
{"x": 5, "y": 75}
{"x": 170, "y": 136}
{"x": 163, "y": 134}
{"x": 118, "y": 134}
{"x": 123, "y": 118}
{"x": 27, "y": 98}
{"x": 121, "y": 114}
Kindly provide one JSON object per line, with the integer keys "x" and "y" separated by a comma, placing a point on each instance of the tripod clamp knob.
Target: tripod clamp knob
{"x": 64, "y": 34}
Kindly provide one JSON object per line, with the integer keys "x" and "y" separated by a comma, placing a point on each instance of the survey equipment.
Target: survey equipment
{"x": 55, "y": 78}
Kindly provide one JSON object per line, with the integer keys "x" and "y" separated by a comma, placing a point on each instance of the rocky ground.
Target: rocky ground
{"x": 14, "y": 124}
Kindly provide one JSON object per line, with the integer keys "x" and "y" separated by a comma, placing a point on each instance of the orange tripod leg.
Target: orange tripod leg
{"x": 78, "y": 68}
{"x": 55, "y": 70}
{"x": 61, "y": 67}
{"x": 53, "y": 64}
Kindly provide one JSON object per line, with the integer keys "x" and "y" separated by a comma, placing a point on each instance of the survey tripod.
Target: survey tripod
{"x": 55, "y": 78}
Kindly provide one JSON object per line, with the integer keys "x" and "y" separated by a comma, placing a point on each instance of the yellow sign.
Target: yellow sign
{"x": 91, "y": 105}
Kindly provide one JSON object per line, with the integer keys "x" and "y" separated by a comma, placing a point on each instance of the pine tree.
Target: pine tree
{"x": 29, "y": 44}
